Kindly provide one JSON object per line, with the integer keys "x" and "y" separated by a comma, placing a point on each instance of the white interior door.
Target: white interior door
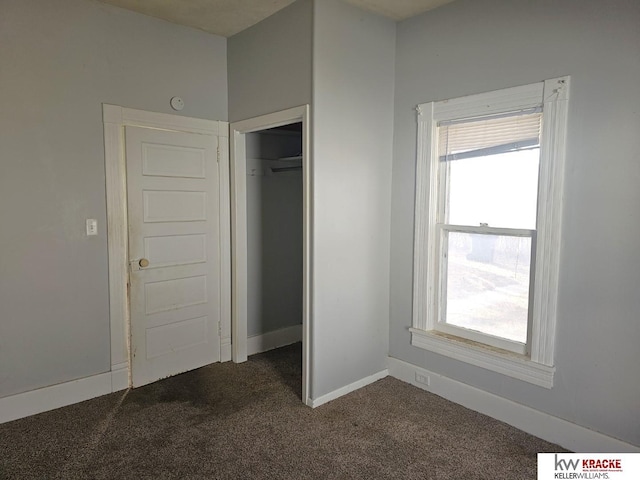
{"x": 174, "y": 251}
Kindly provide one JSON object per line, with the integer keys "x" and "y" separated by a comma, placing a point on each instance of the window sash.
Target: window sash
{"x": 442, "y": 186}
{"x": 441, "y": 304}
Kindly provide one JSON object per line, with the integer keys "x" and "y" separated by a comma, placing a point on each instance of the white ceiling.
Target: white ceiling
{"x": 228, "y": 17}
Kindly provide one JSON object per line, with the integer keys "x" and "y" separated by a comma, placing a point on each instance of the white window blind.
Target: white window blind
{"x": 489, "y": 135}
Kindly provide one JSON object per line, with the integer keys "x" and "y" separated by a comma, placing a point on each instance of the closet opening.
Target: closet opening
{"x": 270, "y": 225}
{"x": 274, "y": 244}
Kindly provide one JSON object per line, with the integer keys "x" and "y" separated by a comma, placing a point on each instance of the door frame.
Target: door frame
{"x": 115, "y": 119}
{"x": 238, "y": 131}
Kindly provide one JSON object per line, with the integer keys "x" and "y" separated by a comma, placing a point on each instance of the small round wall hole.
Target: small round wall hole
{"x": 177, "y": 103}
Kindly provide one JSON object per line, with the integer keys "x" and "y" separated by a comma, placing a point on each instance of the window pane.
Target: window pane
{"x": 499, "y": 190}
{"x": 487, "y": 281}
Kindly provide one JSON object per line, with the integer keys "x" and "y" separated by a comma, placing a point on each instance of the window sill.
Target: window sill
{"x": 499, "y": 361}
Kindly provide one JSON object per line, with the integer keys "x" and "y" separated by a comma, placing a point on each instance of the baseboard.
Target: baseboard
{"x": 270, "y": 340}
{"x": 553, "y": 429}
{"x": 316, "y": 402}
{"x": 56, "y": 396}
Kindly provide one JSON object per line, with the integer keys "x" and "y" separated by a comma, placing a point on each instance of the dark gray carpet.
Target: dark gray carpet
{"x": 247, "y": 421}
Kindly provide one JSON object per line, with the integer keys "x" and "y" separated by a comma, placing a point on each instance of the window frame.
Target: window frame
{"x": 536, "y": 364}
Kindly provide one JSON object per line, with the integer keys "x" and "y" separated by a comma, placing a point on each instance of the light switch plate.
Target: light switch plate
{"x": 92, "y": 226}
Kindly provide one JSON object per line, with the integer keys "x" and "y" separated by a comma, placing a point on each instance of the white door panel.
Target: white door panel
{"x": 173, "y": 250}
{"x": 173, "y": 195}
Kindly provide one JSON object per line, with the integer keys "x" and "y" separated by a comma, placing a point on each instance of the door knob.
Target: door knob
{"x": 143, "y": 263}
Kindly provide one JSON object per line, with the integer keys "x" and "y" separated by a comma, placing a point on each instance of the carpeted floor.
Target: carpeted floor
{"x": 247, "y": 421}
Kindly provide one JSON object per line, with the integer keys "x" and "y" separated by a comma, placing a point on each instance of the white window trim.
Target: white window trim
{"x": 538, "y": 367}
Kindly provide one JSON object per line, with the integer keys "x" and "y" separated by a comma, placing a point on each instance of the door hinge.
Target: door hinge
{"x": 219, "y": 328}
{"x": 218, "y": 154}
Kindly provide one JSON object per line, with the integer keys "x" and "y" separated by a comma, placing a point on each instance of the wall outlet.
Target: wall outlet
{"x": 423, "y": 379}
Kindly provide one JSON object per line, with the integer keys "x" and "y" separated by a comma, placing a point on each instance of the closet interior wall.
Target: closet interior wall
{"x": 274, "y": 230}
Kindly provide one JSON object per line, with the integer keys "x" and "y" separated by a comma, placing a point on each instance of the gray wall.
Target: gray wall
{"x": 353, "y": 64}
{"x": 475, "y": 46}
{"x": 270, "y": 63}
{"x": 274, "y": 231}
{"x": 61, "y": 59}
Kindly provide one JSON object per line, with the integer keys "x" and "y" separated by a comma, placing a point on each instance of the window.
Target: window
{"x": 487, "y": 237}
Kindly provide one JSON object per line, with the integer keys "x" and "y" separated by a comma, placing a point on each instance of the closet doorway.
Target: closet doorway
{"x": 270, "y": 232}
